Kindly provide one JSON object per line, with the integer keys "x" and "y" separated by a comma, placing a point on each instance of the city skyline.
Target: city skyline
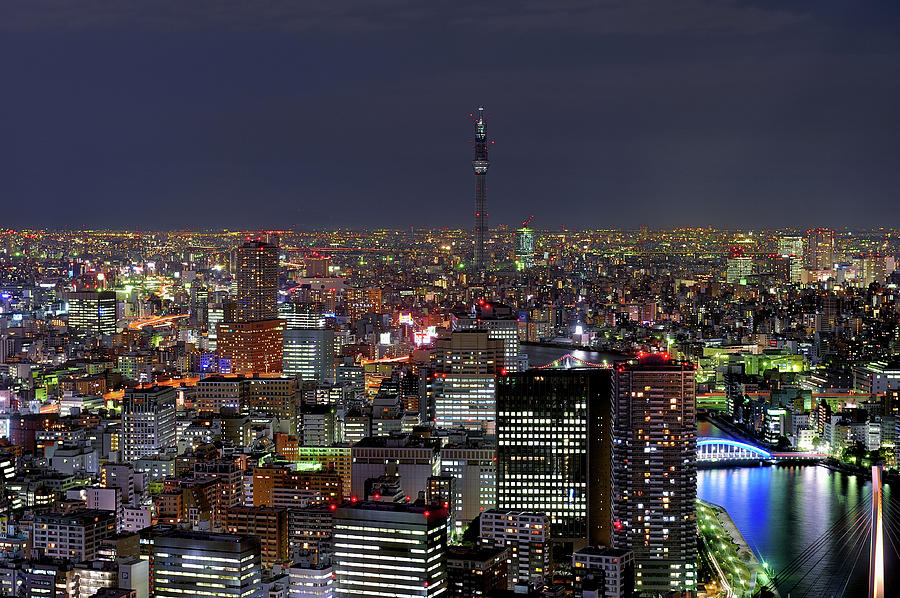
{"x": 262, "y": 337}
{"x": 599, "y": 409}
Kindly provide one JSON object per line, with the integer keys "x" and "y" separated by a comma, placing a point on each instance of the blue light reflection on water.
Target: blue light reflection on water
{"x": 782, "y": 510}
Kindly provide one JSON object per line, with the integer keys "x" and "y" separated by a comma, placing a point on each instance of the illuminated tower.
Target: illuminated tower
{"x": 480, "y": 165}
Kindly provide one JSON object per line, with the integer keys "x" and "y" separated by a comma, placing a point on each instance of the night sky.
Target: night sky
{"x": 301, "y": 113}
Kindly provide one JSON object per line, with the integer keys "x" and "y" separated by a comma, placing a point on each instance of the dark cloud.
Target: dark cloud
{"x": 606, "y": 113}
{"x": 594, "y": 17}
{"x": 631, "y": 17}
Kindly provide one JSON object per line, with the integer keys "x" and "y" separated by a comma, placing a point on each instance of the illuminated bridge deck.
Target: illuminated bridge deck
{"x": 725, "y": 450}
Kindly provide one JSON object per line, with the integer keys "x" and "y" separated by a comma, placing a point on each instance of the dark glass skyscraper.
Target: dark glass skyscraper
{"x": 553, "y": 450}
{"x": 252, "y": 342}
{"x": 654, "y": 457}
{"x": 256, "y": 274}
{"x": 480, "y": 164}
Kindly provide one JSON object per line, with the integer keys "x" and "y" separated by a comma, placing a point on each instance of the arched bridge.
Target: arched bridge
{"x": 713, "y": 450}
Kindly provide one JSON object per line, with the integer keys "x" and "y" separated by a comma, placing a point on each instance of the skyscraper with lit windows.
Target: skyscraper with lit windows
{"x": 654, "y": 471}
{"x": 791, "y": 248}
{"x": 252, "y": 342}
{"x": 553, "y": 437}
{"x": 501, "y": 323}
{"x": 309, "y": 353}
{"x": 92, "y": 311}
{"x": 466, "y": 364}
{"x": 820, "y": 249}
{"x": 389, "y": 549}
{"x": 256, "y": 274}
{"x": 187, "y": 563}
{"x": 148, "y": 422}
{"x": 524, "y": 247}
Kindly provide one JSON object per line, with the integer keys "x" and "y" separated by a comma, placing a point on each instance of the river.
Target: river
{"x": 781, "y": 510}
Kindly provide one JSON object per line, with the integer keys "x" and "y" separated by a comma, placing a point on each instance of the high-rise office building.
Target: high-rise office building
{"x": 301, "y": 315}
{"x": 127, "y": 578}
{"x": 250, "y": 347}
{"x": 148, "y": 422}
{"x": 217, "y": 392}
{"x": 413, "y": 458}
{"x": 603, "y": 571}
{"x": 92, "y": 312}
{"x": 466, "y": 365}
{"x": 820, "y": 249}
{"x": 318, "y": 266}
{"x": 274, "y": 395}
{"x": 480, "y": 165}
{"x": 95, "y": 576}
{"x": 121, "y": 476}
{"x": 277, "y": 486}
{"x": 229, "y": 476}
{"x": 738, "y": 269}
{"x": 524, "y": 247}
{"x": 309, "y": 353}
{"x": 336, "y": 457}
{"x": 256, "y": 275}
{"x": 394, "y": 550}
{"x": 791, "y": 249}
{"x": 206, "y": 564}
{"x": 251, "y": 341}
{"x": 362, "y": 301}
{"x": 871, "y": 268}
{"x": 790, "y": 246}
{"x": 477, "y": 571}
{"x": 654, "y": 482}
{"x": 553, "y": 450}
{"x": 472, "y": 464}
{"x": 50, "y": 578}
{"x": 310, "y": 530}
{"x": 311, "y": 580}
{"x": 502, "y": 324}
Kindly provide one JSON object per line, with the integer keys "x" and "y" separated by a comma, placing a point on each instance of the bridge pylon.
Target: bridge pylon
{"x": 876, "y": 564}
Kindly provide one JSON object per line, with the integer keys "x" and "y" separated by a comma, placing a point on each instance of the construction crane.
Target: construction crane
{"x": 527, "y": 222}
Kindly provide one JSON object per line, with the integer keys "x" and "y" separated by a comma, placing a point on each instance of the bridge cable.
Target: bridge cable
{"x": 798, "y": 561}
{"x": 859, "y": 552}
{"x": 856, "y": 527}
{"x": 804, "y": 557}
{"x": 857, "y": 544}
{"x": 892, "y": 527}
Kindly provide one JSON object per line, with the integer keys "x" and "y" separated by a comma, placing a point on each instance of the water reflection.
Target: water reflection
{"x": 783, "y": 510}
